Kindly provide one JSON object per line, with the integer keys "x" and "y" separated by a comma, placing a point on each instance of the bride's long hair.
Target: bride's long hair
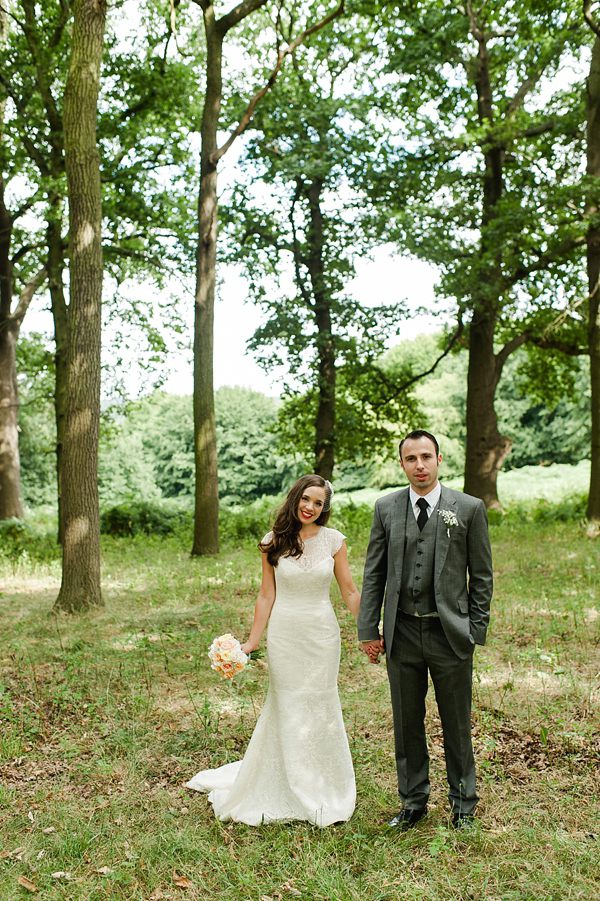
{"x": 285, "y": 540}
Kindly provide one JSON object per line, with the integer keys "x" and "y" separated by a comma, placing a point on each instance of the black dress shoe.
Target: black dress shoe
{"x": 463, "y": 821}
{"x": 408, "y": 817}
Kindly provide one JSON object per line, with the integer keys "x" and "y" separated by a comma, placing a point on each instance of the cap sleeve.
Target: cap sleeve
{"x": 335, "y": 541}
{"x": 267, "y": 537}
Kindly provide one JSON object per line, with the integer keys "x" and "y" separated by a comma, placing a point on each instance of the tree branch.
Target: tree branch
{"x": 144, "y": 102}
{"x": 571, "y": 350}
{"x": 54, "y": 117}
{"x": 587, "y": 15}
{"x": 29, "y": 145}
{"x": 113, "y": 250}
{"x": 543, "y": 261}
{"x": 291, "y": 47}
{"x": 517, "y": 341}
{"x": 524, "y": 89}
{"x": 530, "y": 82}
{"x": 475, "y": 29}
{"x": 266, "y": 237}
{"x": 399, "y": 389}
{"x": 243, "y": 9}
{"x": 24, "y": 250}
{"x": 27, "y": 293}
{"x": 20, "y": 211}
{"x": 534, "y": 130}
{"x": 65, "y": 15}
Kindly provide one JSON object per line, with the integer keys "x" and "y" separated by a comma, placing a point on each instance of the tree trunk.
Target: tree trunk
{"x": 80, "y": 587}
{"x": 10, "y": 472}
{"x": 56, "y": 266}
{"x": 206, "y": 517}
{"x": 593, "y": 269}
{"x": 206, "y": 520}
{"x": 486, "y": 447}
{"x": 325, "y": 419}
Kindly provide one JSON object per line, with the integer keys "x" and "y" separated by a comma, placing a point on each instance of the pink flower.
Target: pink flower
{"x": 228, "y": 644}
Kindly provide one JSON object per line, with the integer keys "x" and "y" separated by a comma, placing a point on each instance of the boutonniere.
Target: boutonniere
{"x": 449, "y": 519}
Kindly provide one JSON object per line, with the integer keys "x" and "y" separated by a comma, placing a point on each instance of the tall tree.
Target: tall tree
{"x": 147, "y": 104}
{"x": 12, "y": 312}
{"x": 593, "y": 265}
{"x": 314, "y": 140}
{"x": 80, "y": 586}
{"x": 485, "y": 186}
{"x": 206, "y": 520}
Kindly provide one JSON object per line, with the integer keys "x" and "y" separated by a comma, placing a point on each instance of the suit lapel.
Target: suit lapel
{"x": 442, "y": 539}
{"x": 398, "y": 531}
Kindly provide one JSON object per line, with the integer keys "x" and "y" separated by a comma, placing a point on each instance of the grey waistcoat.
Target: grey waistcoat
{"x": 416, "y": 593}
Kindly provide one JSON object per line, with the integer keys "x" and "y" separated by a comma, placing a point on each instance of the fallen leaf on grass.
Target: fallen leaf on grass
{"x": 60, "y": 874}
{"x": 290, "y": 889}
{"x": 26, "y": 883}
{"x": 181, "y": 881}
{"x": 48, "y": 830}
{"x": 104, "y": 871}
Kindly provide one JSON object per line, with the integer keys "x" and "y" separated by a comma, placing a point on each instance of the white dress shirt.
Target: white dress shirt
{"x": 432, "y": 498}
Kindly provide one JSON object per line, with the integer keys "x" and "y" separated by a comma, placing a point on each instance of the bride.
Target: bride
{"x": 297, "y": 765}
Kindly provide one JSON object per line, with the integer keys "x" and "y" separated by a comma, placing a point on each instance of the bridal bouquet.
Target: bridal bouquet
{"x": 226, "y": 656}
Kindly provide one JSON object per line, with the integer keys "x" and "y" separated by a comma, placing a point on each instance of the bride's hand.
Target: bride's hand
{"x": 247, "y": 648}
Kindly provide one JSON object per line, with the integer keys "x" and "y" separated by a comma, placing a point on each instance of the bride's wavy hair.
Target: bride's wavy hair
{"x": 285, "y": 540}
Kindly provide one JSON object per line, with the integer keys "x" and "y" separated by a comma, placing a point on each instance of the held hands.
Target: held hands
{"x": 373, "y": 649}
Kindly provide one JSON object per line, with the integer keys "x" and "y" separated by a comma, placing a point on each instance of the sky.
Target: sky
{"x": 385, "y": 278}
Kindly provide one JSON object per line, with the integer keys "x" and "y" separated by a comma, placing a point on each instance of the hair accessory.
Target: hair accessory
{"x": 328, "y": 495}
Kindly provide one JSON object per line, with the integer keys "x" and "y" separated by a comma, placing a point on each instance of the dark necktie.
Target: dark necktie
{"x": 422, "y": 517}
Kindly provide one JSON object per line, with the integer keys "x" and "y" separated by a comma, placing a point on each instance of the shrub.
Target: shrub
{"x": 252, "y": 522}
{"x": 20, "y": 541}
{"x": 567, "y": 509}
{"x": 137, "y": 517}
{"x": 354, "y": 520}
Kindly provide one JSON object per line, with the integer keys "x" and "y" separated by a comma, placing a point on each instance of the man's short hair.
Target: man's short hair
{"x": 420, "y": 433}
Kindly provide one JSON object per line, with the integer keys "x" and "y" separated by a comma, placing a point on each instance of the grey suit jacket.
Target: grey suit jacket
{"x": 460, "y": 550}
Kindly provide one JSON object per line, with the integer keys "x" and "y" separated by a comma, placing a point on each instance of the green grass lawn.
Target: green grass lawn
{"x": 105, "y": 716}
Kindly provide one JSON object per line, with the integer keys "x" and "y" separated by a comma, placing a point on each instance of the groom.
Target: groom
{"x": 429, "y": 555}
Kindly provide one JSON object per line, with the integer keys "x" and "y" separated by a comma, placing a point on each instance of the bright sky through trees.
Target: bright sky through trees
{"x": 236, "y": 320}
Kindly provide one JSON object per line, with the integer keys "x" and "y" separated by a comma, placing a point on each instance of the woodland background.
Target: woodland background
{"x": 145, "y": 147}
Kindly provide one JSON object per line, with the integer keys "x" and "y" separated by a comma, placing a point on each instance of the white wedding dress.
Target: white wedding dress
{"x": 297, "y": 765}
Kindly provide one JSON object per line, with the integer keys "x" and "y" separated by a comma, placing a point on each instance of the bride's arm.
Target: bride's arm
{"x": 349, "y": 591}
{"x": 263, "y": 606}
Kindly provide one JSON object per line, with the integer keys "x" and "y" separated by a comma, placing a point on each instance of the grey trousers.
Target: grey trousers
{"x": 419, "y": 646}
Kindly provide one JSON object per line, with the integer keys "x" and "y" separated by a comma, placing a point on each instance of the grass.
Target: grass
{"x": 105, "y": 716}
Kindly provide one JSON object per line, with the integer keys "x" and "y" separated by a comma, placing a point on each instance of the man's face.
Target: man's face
{"x": 420, "y": 463}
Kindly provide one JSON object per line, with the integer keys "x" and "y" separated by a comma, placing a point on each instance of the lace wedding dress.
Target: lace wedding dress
{"x": 297, "y": 765}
